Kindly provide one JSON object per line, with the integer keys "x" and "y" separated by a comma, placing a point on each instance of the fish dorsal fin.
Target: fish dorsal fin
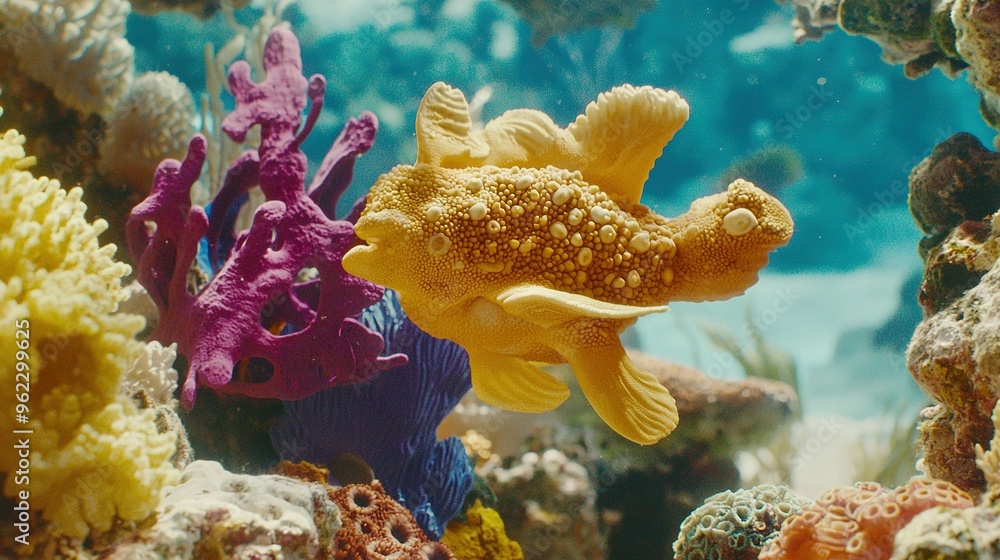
{"x": 523, "y": 137}
{"x": 444, "y": 130}
{"x": 547, "y": 307}
{"x": 621, "y": 135}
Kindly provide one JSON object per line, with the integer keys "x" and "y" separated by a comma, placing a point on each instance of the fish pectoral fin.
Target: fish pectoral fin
{"x": 630, "y": 400}
{"x": 514, "y": 384}
{"x": 444, "y": 129}
{"x": 547, "y": 307}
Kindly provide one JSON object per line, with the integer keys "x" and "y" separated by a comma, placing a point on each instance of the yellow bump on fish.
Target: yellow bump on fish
{"x": 542, "y": 253}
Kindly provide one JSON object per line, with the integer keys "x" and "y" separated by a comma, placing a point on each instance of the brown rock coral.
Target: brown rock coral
{"x": 954, "y": 355}
{"x": 376, "y": 527}
{"x": 859, "y": 522}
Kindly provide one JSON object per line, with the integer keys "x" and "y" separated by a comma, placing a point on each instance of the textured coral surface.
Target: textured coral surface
{"x": 736, "y": 525}
{"x": 859, "y": 522}
{"x": 299, "y": 335}
{"x": 481, "y": 535}
{"x": 94, "y": 458}
{"x": 378, "y": 528}
{"x": 213, "y": 513}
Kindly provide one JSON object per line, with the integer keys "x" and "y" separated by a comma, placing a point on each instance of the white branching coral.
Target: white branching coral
{"x": 153, "y": 373}
{"x": 77, "y": 48}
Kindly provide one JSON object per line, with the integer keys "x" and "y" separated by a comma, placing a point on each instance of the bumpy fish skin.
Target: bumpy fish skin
{"x": 534, "y": 263}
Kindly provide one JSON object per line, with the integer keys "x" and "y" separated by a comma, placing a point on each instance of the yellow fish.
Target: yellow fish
{"x": 526, "y": 244}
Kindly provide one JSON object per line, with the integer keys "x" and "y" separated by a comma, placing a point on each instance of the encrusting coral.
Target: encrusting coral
{"x": 213, "y": 513}
{"x": 525, "y": 242}
{"x": 736, "y": 525}
{"x": 94, "y": 457}
{"x": 390, "y": 421}
{"x": 481, "y": 536}
{"x": 297, "y": 334}
{"x": 859, "y": 522}
{"x": 151, "y": 122}
{"x": 378, "y": 528}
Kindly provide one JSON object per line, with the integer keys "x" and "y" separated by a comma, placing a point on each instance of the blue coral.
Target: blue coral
{"x": 390, "y": 421}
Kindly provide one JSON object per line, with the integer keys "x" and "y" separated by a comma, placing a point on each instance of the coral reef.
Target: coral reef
{"x": 953, "y": 354}
{"x": 559, "y": 264}
{"x": 736, "y": 525}
{"x": 547, "y": 503}
{"x": 859, "y": 522}
{"x": 203, "y": 9}
{"x": 213, "y": 513}
{"x": 553, "y": 17}
{"x": 298, "y": 334}
{"x": 390, "y": 421}
{"x": 77, "y": 48}
{"x": 480, "y": 536}
{"x": 971, "y": 532}
{"x": 376, "y": 527}
{"x": 150, "y": 123}
{"x": 94, "y": 457}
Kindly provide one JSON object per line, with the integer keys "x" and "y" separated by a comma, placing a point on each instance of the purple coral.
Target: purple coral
{"x": 300, "y": 333}
{"x": 390, "y": 421}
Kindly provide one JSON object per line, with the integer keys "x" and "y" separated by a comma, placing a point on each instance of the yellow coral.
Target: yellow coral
{"x": 525, "y": 242}
{"x": 481, "y": 536}
{"x": 93, "y": 456}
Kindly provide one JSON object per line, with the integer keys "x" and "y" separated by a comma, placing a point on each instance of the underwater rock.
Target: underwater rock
{"x": 297, "y": 335}
{"x": 736, "y": 525}
{"x": 95, "y": 459}
{"x": 977, "y": 36}
{"x": 958, "y": 182}
{"x": 547, "y": 503}
{"x": 390, "y": 421}
{"x": 151, "y": 122}
{"x": 511, "y": 226}
{"x": 375, "y": 526}
{"x": 553, "y": 17}
{"x": 859, "y": 522}
{"x": 954, "y": 356}
{"x": 213, "y": 513}
{"x": 481, "y": 535}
